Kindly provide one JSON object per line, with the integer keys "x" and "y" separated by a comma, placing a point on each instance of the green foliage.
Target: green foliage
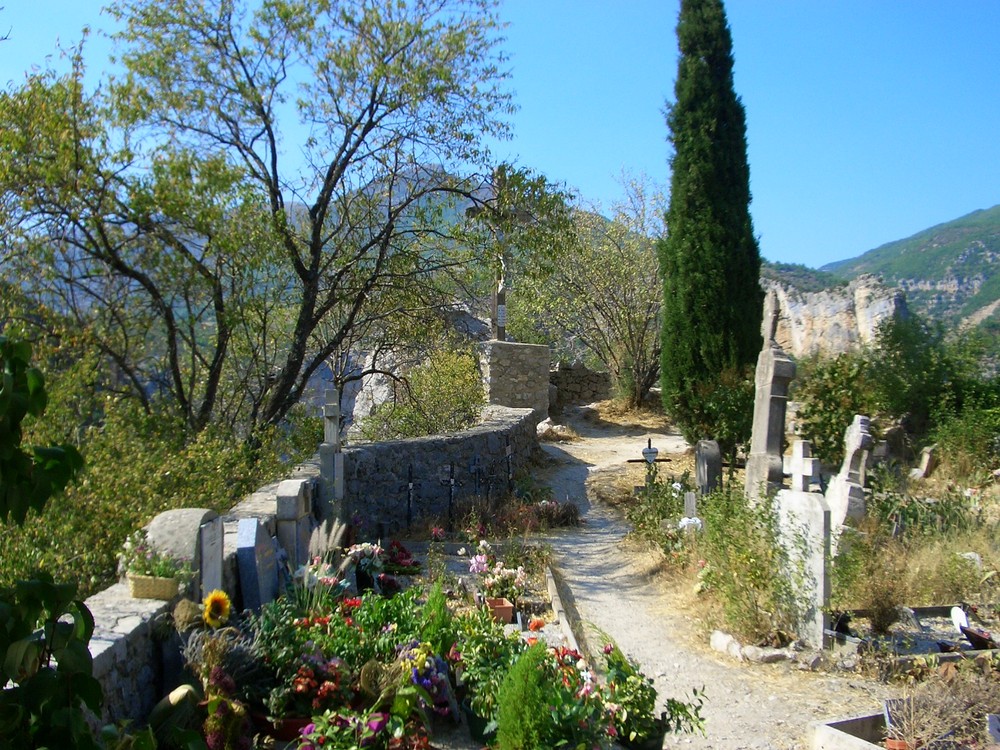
{"x": 138, "y": 466}
{"x": 444, "y": 394}
{"x": 524, "y": 703}
{"x": 746, "y": 568}
{"x": 437, "y": 622}
{"x": 27, "y": 480}
{"x": 830, "y": 393}
{"x": 970, "y": 443}
{"x": 46, "y": 666}
{"x": 602, "y": 302}
{"x": 800, "y": 277}
{"x": 721, "y": 409}
{"x": 709, "y": 260}
{"x": 488, "y": 651}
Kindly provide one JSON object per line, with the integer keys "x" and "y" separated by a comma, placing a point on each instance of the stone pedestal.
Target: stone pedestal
{"x": 775, "y": 370}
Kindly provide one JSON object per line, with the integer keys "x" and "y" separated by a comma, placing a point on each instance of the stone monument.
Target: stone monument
{"x": 846, "y": 492}
{"x": 775, "y": 370}
{"x": 707, "y": 466}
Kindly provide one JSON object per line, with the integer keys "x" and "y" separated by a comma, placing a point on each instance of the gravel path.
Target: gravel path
{"x": 612, "y": 588}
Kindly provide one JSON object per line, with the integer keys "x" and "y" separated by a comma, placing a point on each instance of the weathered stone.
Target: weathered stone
{"x": 516, "y": 375}
{"x": 833, "y": 321}
{"x": 720, "y": 641}
{"x": 775, "y": 370}
{"x": 846, "y": 492}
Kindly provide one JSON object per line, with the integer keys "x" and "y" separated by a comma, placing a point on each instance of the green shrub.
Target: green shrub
{"x": 969, "y": 444}
{"x": 830, "y": 393}
{"x": 444, "y": 394}
{"x": 524, "y": 703}
{"x": 139, "y": 465}
{"x": 746, "y": 568}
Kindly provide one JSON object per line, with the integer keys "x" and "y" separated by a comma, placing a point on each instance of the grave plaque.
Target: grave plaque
{"x": 257, "y": 561}
{"x": 210, "y": 539}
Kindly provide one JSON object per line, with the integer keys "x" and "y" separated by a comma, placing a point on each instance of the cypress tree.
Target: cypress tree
{"x": 710, "y": 263}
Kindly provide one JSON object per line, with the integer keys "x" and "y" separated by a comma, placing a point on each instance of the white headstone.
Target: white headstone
{"x": 210, "y": 538}
{"x": 257, "y": 561}
{"x": 804, "y": 532}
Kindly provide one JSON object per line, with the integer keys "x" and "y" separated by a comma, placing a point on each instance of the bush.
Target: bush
{"x": 444, "y": 394}
{"x": 969, "y": 444}
{"x": 139, "y": 465}
{"x": 524, "y": 703}
{"x": 746, "y": 567}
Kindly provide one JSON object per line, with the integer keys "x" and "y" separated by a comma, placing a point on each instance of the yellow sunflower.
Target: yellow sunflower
{"x": 217, "y": 607}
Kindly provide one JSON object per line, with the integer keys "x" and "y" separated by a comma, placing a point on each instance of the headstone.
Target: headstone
{"x": 775, "y": 370}
{"x": 295, "y": 519}
{"x": 804, "y": 532}
{"x": 707, "y": 466}
{"x": 177, "y": 533}
{"x": 846, "y": 492}
{"x": 257, "y": 561}
{"x": 210, "y": 543}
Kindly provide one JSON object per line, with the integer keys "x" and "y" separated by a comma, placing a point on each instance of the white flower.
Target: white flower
{"x": 462, "y": 552}
{"x": 677, "y": 486}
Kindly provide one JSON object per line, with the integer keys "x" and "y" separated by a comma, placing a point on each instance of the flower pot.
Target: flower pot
{"x": 502, "y": 609}
{"x": 152, "y": 587}
{"x": 891, "y": 743}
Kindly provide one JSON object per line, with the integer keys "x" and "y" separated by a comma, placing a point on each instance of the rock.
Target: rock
{"x": 764, "y": 655}
{"x": 810, "y": 661}
{"x": 721, "y": 641}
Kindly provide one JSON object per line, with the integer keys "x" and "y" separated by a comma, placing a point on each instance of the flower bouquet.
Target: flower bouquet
{"x": 151, "y": 574}
{"x": 367, "y": 560}
{"x": 399, "y": 560}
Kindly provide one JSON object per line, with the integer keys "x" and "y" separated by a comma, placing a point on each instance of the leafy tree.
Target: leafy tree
{"x": 712, "y": 300}
{"x": 27, "y": 480}
{"x": 227, "y": 216}
{"x": 603, "y": 298}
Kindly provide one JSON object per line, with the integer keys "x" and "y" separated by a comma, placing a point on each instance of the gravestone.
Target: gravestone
{"x": 257, "y": 560}
{"x": 295, "y": 519}
{"x": 775, "y": 370}
{"x": 707, "y": 466}
{"x": 211, "y": 535}
{"x": 178, "y": 534}
{"x": 846, "y": 492}
{"x": 804, "y": 532}
{"x": 690, "y": 505}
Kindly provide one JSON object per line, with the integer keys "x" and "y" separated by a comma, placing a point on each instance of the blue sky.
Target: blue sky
{"x": 867, "y": 121}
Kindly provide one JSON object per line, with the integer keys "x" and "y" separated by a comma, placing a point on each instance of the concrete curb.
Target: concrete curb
{"x": 559, "y": 610}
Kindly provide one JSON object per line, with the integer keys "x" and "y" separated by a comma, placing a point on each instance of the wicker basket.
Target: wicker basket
{"x": 152, "y": 587}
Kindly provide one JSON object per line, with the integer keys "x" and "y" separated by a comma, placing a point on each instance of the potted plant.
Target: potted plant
{"x": 151, "y": 574}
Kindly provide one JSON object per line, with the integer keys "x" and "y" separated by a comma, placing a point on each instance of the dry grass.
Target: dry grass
{"x": 650, "y": 416}
{"x": 558, "y": 433}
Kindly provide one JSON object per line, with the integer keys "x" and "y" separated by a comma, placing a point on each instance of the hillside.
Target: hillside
{"x": 949, "y": 272}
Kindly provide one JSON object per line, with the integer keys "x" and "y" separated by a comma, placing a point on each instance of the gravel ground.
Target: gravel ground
{"x": 611, "y": 587}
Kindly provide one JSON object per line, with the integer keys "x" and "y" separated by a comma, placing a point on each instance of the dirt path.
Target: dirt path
{"x": 613, "y": 589}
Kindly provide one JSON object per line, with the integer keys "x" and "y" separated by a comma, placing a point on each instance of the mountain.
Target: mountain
{"x": 948, "y": 272}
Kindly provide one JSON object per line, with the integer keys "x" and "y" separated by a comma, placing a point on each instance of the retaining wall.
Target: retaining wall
{"x": 127, "y": 645}
{"x": 577, "y": 384}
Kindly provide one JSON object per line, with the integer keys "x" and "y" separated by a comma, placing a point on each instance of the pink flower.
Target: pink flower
{"x": 479, "y": 564}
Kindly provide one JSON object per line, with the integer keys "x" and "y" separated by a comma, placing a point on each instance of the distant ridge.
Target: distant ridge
{"x": 949, "y": 271}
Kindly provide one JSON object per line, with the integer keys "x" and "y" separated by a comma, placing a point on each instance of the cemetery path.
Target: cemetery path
{"x": 612, "y": 587}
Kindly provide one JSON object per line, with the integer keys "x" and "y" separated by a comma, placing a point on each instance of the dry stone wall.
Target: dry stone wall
{"x": 128, "y": 642}
{"x": 577, "y": 384}
{"x": 515, "y": 375}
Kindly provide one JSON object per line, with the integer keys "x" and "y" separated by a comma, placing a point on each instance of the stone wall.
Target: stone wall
{"x": 127, "y": 645}
{"x": 377, "y": 475}
{"x": 515, "y": 375}
{"x": 576, "y": 384}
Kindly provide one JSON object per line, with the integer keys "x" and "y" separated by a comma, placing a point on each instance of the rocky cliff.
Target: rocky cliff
{"x": 834, "y": 320}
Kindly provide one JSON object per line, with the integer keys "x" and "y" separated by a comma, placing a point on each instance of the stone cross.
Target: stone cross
{"x": 775, "y": 370}
{"x": 331, "y": 460}
{"x": 707, "y": 466}
{"x": 690, "y": 505}
{"x": 804, "y": 468}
